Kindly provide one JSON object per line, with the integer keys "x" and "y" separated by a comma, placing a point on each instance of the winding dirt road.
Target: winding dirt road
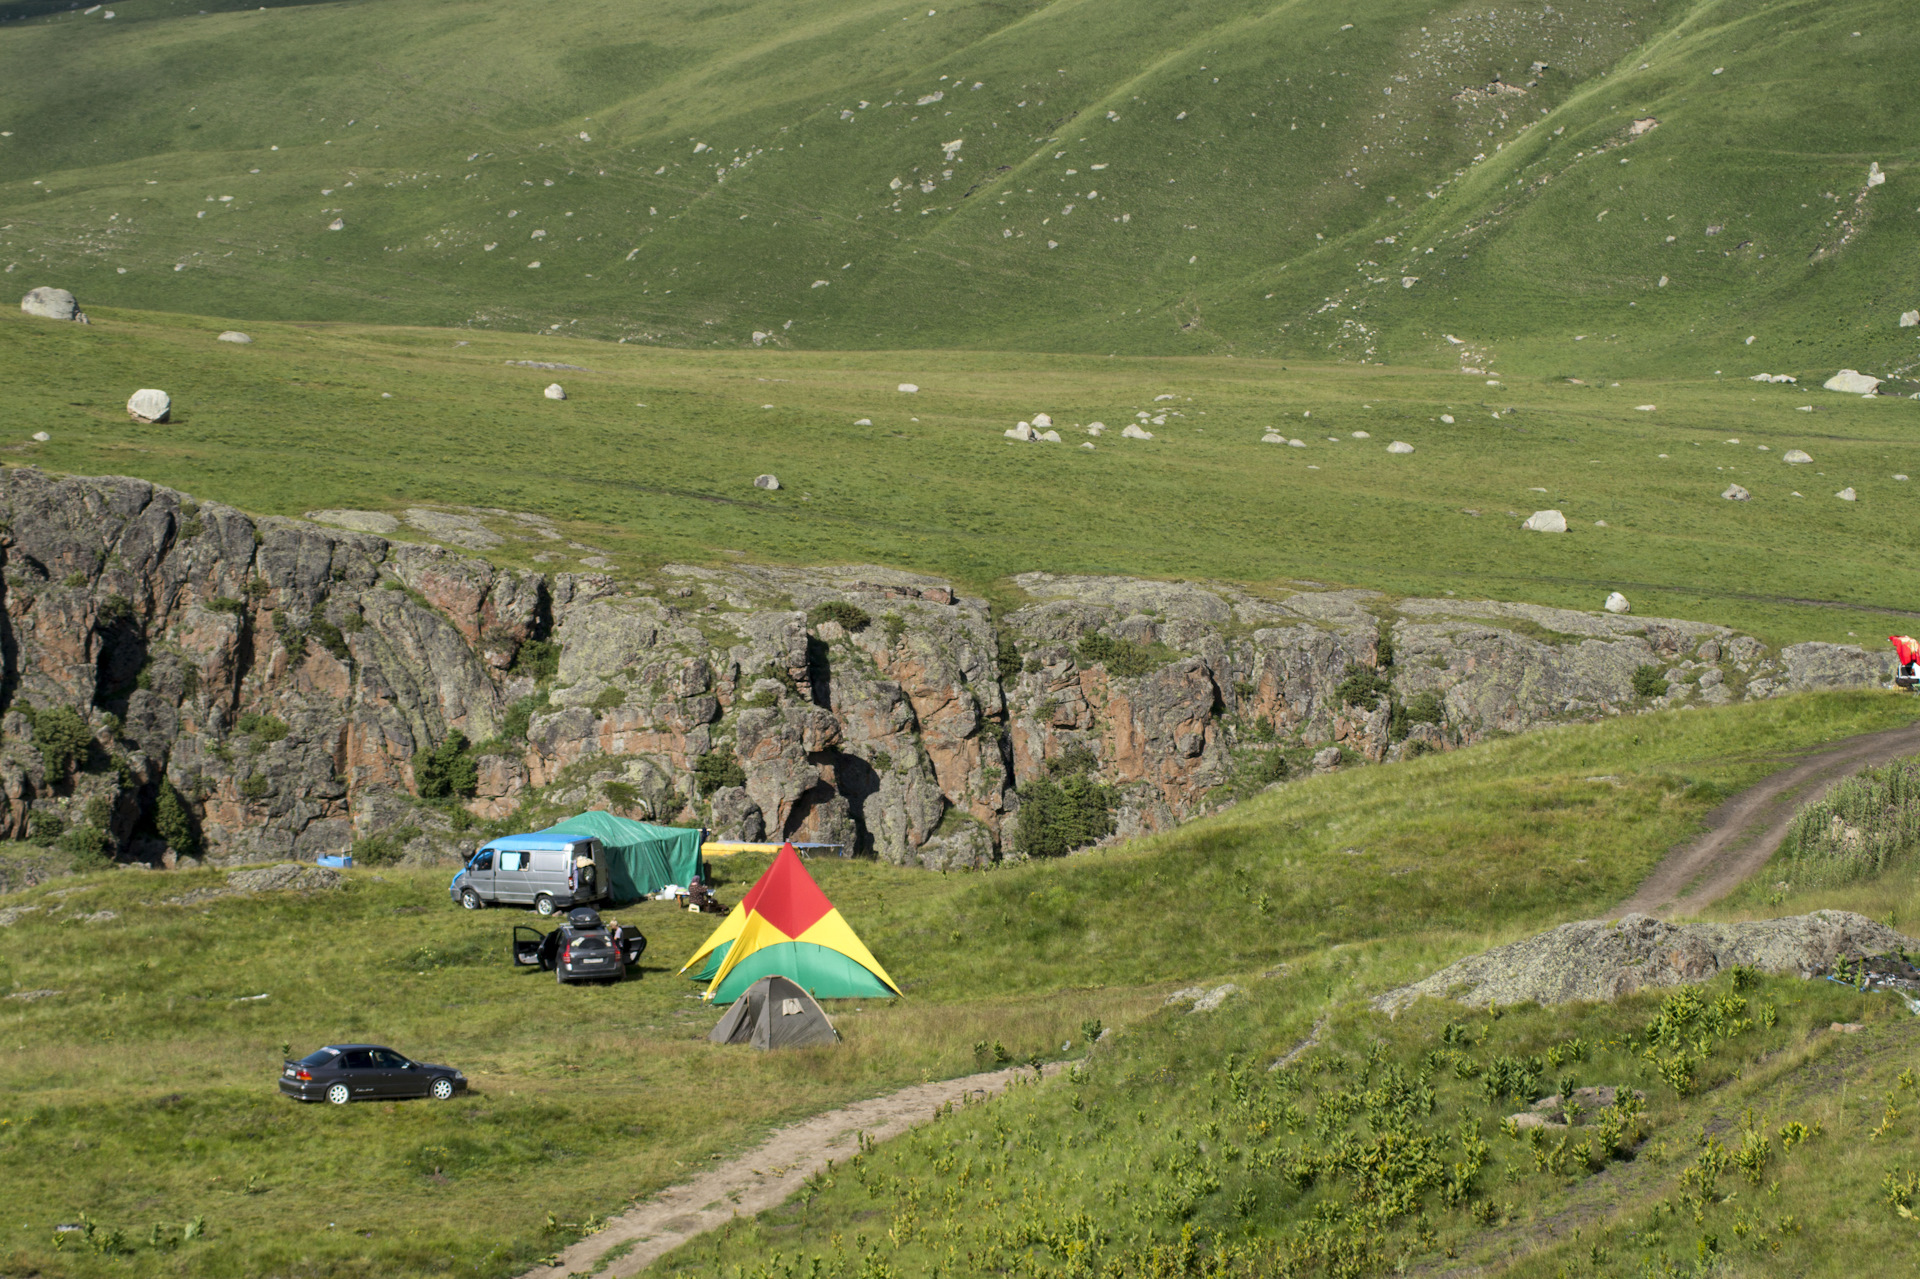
{"x": 766, "y": 1176}
{"x": 1745, "y": 831}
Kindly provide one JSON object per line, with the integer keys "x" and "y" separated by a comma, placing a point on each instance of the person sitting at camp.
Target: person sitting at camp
{"x": 700, "y": 898}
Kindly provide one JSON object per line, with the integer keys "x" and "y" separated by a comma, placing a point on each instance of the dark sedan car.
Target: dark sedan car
{"x": 341, "y": 1073}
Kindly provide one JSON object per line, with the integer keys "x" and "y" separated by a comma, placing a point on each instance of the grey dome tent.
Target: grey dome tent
{"x": 775, "y": 1012}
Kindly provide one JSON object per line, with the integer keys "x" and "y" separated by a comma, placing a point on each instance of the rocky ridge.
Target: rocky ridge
{"x": 287, "y": 681}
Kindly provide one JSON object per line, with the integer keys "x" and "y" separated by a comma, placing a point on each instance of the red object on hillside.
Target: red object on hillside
{"x": 1907, "y": 649}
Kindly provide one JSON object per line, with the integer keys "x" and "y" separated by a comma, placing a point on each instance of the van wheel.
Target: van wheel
{"x": 543, "y": 905}
{"x": 471, "y": 900}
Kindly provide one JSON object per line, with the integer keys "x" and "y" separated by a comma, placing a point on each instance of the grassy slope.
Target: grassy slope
{"x": 297, "y": 421}
{"x": 1258, "y": 223}
{"x": 151, "y": 1031}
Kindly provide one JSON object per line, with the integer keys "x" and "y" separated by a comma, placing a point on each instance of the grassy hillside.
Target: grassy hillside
{"x": 1216, "y": 177}
{"x": 651, "y": 459}
{"x": 141, "y": 1092}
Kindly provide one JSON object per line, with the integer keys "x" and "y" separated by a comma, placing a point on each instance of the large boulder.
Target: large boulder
{"x": 149, "y": 405}
{"x": 1851, "y": 383}
{"x": 1545, "y": 522}
{"x": 1598, "y": 959}
{"x": 53, "y": 304}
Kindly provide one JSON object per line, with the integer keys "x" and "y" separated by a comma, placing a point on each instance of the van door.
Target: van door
{"x": 480, "y": 874}
{"x": 548, "y": 875}
{"x": 512, "y": 881}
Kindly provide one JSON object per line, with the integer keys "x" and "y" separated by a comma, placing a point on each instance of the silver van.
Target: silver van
{"x": 550, "y": 873}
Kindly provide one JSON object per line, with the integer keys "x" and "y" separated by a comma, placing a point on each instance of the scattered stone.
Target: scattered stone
{"x": 759, "y": 337}
{"x": 53, "y": 304}
{"x": 1617, "y": 603}
{"x": 555, "y": 391}
{"x": 1041, "y": 421}
{"x": 1605, "y": 959}
{"x": 1399, "y": 446}
{"x": 1051, "y": 437}
{"x": 1848, "y": 382}
{"x": 1600, "y": 524}
{"x": 908, "y": 388}
{"x": 1087, "y": 445}
{"x": 1773, "y": 377}
{"x": 1296, "y": 444}
{"x": 1133, "y": 432}
{"x": 235, "y": 335}
{"x": 1019, "y": 431}
{"x": 767, "y": 482}
{"x": 1202, "y": 999}
{"x": 1909, "y": 319}
{"x": 149, "y": 406}
{"x": 865, "y": 421}
{"x": 1735, "y": 493}
{"x": 1183, "y": 996}
{"x": 1847, "y": 494}
{"x": 41, "y": 437}
{"x": 12, "y": 914}
{"x": 1796, "y": 457}
{"x": 1272, "y": 437}
{"x": 1643, "y": 408}
{"x": 378, "y": 522}
{"x": 1447, "y": 418}
{"x": 1326, "y": 760}
{"x": 28, "y": 996}
{"x": 1361, "y": 435}
{"x": 549, "y": 366}
{"x": 338, "y": 224}
{"x": 1546, "y": 522}
{"x": 1095, "y": 428}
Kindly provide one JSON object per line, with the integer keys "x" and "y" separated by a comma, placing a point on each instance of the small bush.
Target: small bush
{"x": 63, "y": 738}
{"x": 224, "y": 604}
{"x": 1363, "y": 686}
{"x": 100, "y": 811}
{"x": 174, "y": 822}
{"x": 1122, "y": 658}
{"x": 254, "y": 788}
{"x": 1006, "y": 657}
{"x": 448, "y": 771}
{"x": 115, "y": 609}
{"x": 88, "y": 846}
{"x": 1075, "y": 761}
{"x": 620, "y": 794}
{"x": 717, "y": 769}
{"x": 1649, "y": 681}
{"x": 1058, "y": 817}
{"x": 1261, "y": 730}
{"x": 1383, "y": 645}
{"x": 1258, "y": 770}
{"x": 513, "y": 728}
{"x": 850, "y": 615}
{"x": 262, "y": 728}
{"x": 539, "y": 659}
{"x": 781, "y": 675}
{"x": 896, "y": 626}
{"x": 383, "y": 849}
{"x": 1861, "y": 827}
{"x": 44, "y": 828}
{"x": 608, "y": 698}
{"x": 330, "y": 637}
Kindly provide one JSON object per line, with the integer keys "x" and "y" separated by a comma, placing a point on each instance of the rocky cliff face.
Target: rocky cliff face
{"x": 284, "y": 680}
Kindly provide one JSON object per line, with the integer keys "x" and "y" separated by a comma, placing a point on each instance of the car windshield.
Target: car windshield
{"x": 324, "y": 1057}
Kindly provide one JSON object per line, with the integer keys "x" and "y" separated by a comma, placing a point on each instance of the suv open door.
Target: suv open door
{"x": 530, "y": 947}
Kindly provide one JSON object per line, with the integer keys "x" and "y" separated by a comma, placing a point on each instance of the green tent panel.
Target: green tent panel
{"x": 823, "y": 973}
{"x": 641, "y": 858}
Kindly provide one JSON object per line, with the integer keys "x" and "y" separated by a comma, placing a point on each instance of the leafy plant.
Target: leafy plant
{"x": 850, "y": 616}
{"x": 536, "y": 659}
{"x": 1057, "y": 817}
{"x": 263, "y": 728}
{"x": 718, "y": 769}
{"x": 609, "y": 698}
{"x": 1122, "y": 658}
{"x": 1649, "y": 681}
{"x": 174, "y": 821}
{"x": 448, "y": 771}
{"x": 1363, "y": 686}
{"x": 63, "y": 739}
{"x": 254, "y": 787}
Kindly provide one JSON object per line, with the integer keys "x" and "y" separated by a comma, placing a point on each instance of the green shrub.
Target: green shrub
{"x": 63, "y": 738}
{"x": 896, "y": 626}
{"x": 223, "y": 604}
{"x": 89, "y": 847}
{"x": 608, "y": 698}
{"x": 1057, "y": 817}
{"x": 1649, "y": 681}
{"x": 1859, "y": 828}
{"x": 539, "y": 659}
{"x": 782, "y": 675}
{"x": 254, "y": 788}
{"x": 44, "y": 828}
{"x": 620, "y": 794}
{"x": 329, "y": 636}
{"x": 1363, "y": 686}
{"x": 1122, "y": 658}
{"x": 100, "y": 811}
{"x": 1261, "y": 730}
{"x": 448, "y": 771}
{"x": 1383, "y": 645}
{"x": 850, "y": 615}
{"x": 262, "y": 728}
{"x": 1257, "y": 770}
{"x": 174, "y": 822}
{"x": 1075, "y": 760}
{"x": 1427, "y": 708}
{"x": 717, "y": 769}
{"x": 513, "y": 728}
{"x": 383, "y": 849}
{"x": 116, "y": 609}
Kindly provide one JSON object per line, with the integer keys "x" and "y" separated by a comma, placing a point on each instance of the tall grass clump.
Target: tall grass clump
{"x": 1858, "y": 829}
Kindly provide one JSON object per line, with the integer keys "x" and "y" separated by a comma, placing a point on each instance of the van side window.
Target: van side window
{"x": 511, "y": 860}
{"x": 483, "y": 860}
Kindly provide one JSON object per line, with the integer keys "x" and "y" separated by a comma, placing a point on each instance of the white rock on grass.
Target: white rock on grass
{"x": 1361, "y": 435}
{"x": 864, "y": 421}
{"x": 1735, "y": 493}
{"x": 1643, "y": 408}
{"x": 1545, "y": 522}
{"x": 149, "y": 405}
{"x": 555, "y": 391}
{"x": 1849, "y": 382}
{"x": 338, "y": 224}
{"x": 1399, "y": 446}
{"x": 1847, "y": 494}
{"x": 908, "y": 388}
{"x": 767, "y": 482}
{"x": 1041, "y": 421}
{"x": 1095, "y": 428}
{"x": 52, "y": 304}
{"x": 358, "y": 521}
{"x": 1019, "y": 431}
{"x": 1296, "y": 444}
{"x": 235, "y": 335}
{"x": 1908, "y": 319}
{"x": 41, "y": 437}
{"x": 1796, "y": 457}
{"x": 1617, "y": 603}
{"x": 1773, "y": 377}
{"x": 1051, "y": 437}
{"x": 1447, "y": 418}
{"x": 1133, "y": 432}
{"x": 1087, "y": 445}
{"x": 1273, "y": 437}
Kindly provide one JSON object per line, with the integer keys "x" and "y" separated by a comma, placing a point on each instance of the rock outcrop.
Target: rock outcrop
{"x": 287, "y": 682}
{"x": 1598, "y": 959}
{"x": 52, "y": 304}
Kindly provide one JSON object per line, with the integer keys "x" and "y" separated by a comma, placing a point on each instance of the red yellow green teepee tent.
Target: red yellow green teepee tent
{"x": 786, "y": 925}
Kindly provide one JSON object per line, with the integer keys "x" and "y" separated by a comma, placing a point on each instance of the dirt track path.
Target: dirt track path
{"x": 1745, "y": 831}
{"x": 764, "y": 1177}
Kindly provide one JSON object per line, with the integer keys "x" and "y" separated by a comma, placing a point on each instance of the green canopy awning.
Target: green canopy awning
{"x": 641, "y": 858}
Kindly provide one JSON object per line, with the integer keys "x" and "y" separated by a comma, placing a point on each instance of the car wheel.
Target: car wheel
{"x": 339, "y": 1095}
{"x": 442, "y": 1089}
{"x": 471, "y": 900}
{"x": 543, "y": 905}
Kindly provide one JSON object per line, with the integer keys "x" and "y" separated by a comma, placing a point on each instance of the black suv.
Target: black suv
{"x": 582, "y": 949}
